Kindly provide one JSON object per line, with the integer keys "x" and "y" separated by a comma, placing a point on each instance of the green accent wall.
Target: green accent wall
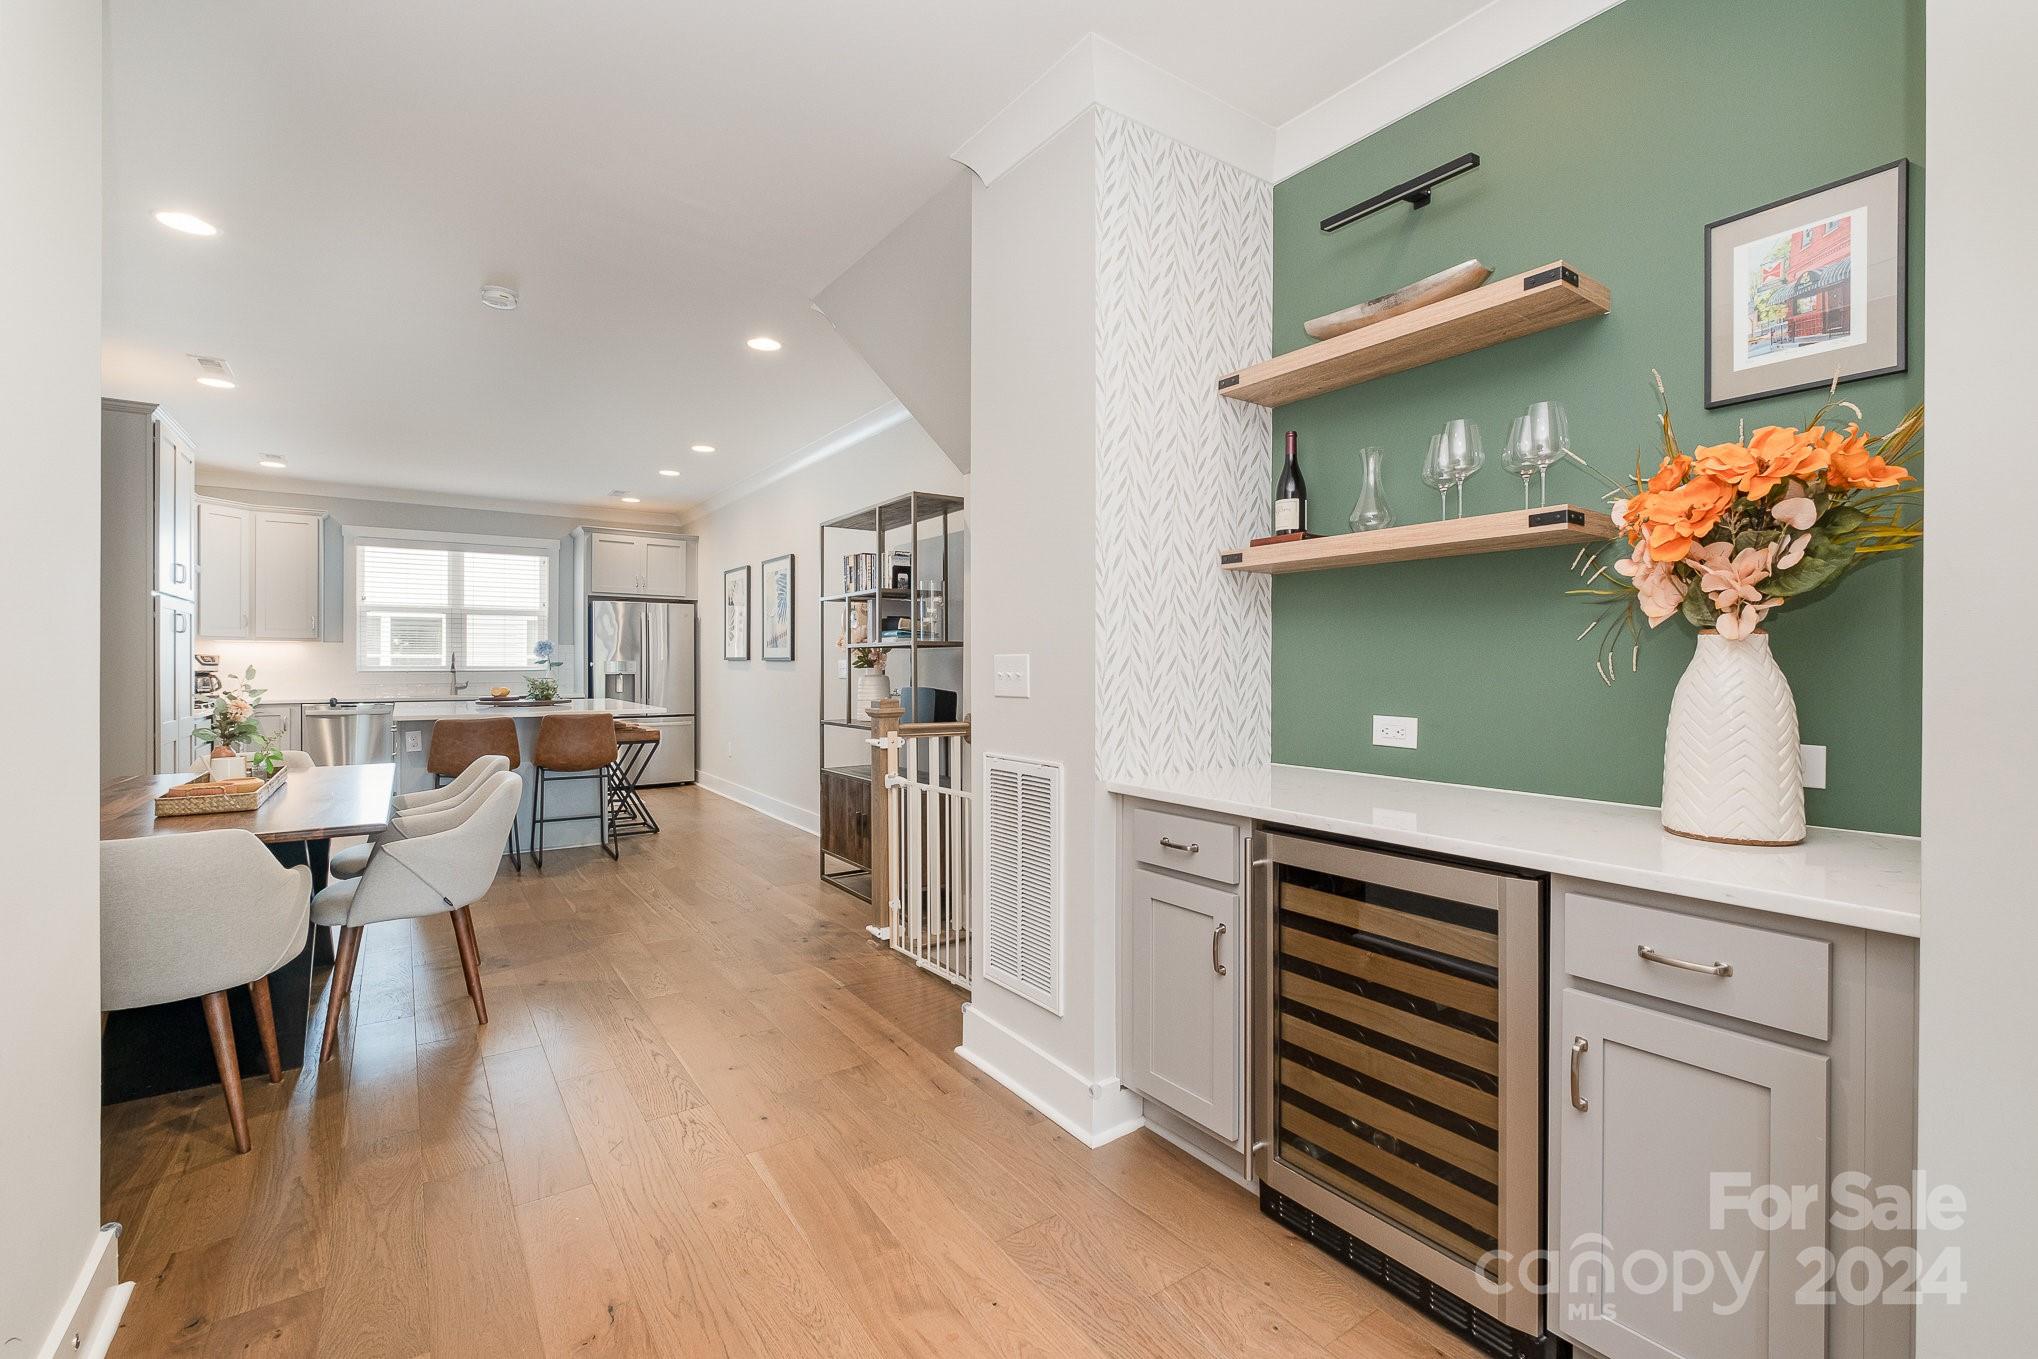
{"x": 1610, "y": 147}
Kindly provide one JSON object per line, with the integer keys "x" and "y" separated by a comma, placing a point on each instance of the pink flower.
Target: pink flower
{"x": 1796, "y": 511}
{"x": 1794, "y": 553}
{"x": 238, "y": 709}
{"x": 1656, "y": 585}
{"x": 1735, "y": 624}
{"x": 1728, "y": 577}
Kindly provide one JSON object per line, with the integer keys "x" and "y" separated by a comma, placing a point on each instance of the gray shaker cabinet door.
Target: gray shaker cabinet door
{"x": 1670, "y": 1105}
{"x": 1188, "y": 979}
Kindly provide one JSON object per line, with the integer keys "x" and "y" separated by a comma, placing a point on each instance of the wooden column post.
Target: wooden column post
{"x": 884, "y": 762}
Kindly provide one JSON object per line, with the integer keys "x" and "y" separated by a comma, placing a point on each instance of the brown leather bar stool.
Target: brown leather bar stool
{"x": 628, "y": 814}
{"x": 574, "y": 747}
{"x": 459, "y": 741}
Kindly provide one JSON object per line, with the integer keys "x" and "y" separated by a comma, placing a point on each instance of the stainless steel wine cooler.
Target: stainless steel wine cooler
{"x": 1398, "y": 1071}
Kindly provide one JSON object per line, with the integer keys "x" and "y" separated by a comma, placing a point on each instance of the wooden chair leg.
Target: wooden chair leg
{"x": 221, "y": 1026}
{"x": 342, "y": 979}
{"x": 470, "y": 960}
{"x": 265, "y": 1025}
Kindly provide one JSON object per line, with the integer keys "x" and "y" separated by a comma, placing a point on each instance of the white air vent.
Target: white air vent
{"x": 1022, "y": 878}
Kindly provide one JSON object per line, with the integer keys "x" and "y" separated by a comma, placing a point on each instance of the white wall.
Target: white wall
{"x": 1978, "y": 1095}
{"x": 49, "y": 917}
{"x": 306, "y": 672}
{"x": 759, "y": 734}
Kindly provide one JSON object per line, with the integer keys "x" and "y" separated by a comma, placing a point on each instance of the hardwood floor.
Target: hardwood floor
{"x": 707, "y": 1117}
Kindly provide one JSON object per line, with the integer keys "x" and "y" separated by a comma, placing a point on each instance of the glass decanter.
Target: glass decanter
{"x": 1371, "y": 512}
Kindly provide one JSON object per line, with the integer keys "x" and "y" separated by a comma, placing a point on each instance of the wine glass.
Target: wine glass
{"x": 1464, "y": 455}
{"x": 1519, "y": 455}
{"x": 1436, "y": 472}
{"x": 1549, "y": 439}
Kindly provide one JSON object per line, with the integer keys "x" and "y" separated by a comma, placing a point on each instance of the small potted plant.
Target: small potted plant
{"x": 543, "y": 688}
{"x": 871, "y": 683}
{"x": 233, "y": 720}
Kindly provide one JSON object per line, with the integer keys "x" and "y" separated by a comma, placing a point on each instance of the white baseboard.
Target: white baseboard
{"x": 85, "y": 1327}
{"x": 799, "y": 818}
{"x": 1091, "y": 1112}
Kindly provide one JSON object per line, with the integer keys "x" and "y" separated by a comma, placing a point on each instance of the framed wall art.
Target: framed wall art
{"x": 1807, "y": 290}
{"x": 736, "y": 614}
{"x": 775, "y": 599}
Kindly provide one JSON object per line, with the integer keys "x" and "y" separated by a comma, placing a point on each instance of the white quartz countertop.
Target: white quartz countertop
{"x": 1841, "y": 877}
{"x": 432, "y": 712}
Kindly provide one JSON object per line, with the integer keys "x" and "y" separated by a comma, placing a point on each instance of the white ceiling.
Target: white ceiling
{"x": 660, "y": 180}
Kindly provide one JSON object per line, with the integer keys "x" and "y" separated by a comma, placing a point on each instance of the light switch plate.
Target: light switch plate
{"x": 1394, "y": 731}
{"x": 413, "y": 741}
{"x": 1813, "y": 761}
{"x": 1012, "y": 675}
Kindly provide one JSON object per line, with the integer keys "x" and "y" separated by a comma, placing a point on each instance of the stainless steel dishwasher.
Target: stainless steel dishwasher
{"x": 349, "y": 733}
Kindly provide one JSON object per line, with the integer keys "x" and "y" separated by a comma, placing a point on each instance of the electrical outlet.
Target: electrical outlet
{"x": 841, "y": 667}
{"x": 1812, "y": 760}
{"x": 1394, "y": 731}
{"x": 413, "y": 742}
{"x": 1012, "y": 676}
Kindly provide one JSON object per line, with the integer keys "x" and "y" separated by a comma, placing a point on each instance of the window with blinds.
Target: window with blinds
{"x": 418, "y": 604}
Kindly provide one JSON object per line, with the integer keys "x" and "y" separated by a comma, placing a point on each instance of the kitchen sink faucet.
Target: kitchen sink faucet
{"x": 459, "y": 685}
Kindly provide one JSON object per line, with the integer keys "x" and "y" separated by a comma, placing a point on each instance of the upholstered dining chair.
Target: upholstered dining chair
{"x": 296, "y": 761}
{"x": 351, "y": 861}
{"x": 443, "y": 865}
{"x": 197, "y": 915}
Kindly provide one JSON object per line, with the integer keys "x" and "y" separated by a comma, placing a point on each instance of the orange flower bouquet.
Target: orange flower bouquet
{"x": 1729, "y": 532}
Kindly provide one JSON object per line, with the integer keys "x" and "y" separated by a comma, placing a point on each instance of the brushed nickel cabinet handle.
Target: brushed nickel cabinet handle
{"x": 1217, "y": 944}
{"x": 1191, "y": 848}
{"x": 1578, "y": 1048}
{"x": 1649, "y": 955}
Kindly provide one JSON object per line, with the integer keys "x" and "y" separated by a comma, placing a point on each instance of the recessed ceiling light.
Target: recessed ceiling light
{"x": 225, "y": 384}
{"x": 497, "y": 296}
{"x": 273, "y": 462}
{"x": 668, "y": 471}
{"x": 764, "y": 344}
{"x": 631, "y": 499}
{"x": 186, "y": 223}
{"x": 703, "y": 448}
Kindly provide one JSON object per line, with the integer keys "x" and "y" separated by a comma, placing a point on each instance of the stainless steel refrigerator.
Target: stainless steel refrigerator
{"x": 642, "y": 651}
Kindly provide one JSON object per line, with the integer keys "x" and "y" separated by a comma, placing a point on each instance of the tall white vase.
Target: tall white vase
{"x": 1730, "y": 757}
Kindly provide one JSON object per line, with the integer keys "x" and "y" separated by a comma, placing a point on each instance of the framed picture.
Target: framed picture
{"x": 1809, "y": 289}
{"x": 776, "y": 599}
{"x": 736, "y": 614}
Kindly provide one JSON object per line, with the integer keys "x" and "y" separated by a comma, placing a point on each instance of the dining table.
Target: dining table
{"x": 160, "y": 1048}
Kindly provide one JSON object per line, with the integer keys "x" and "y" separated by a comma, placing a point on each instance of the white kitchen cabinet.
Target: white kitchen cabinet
{"x": 176, "y": 626}
{"x": 260, "y": 572}
{"x": 176, "y": 513}
{"x": 1188, "y": 983}
{"x": 625, "y": 563}
{"x": 286, "y": 574}
{"x": 278, "y": 722}
{"x": 226, "y": 560}
{"x": 1658, "y": 1107}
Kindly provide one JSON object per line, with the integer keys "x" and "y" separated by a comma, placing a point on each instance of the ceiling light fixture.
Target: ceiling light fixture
{"x": 668, "y": 471}
{"x": 497, "y": 296}
{"x": 631, "y": 499}
{"x": 764, "y": 344}
{"x": 273, "y": 461}
{"x": 213, "y": 372}
{"x": 186, "y": 223}
{"x": 703, "y": 448}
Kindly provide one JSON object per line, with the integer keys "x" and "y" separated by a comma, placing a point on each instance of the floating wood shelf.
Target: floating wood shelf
{"x": 1511, "y": 531}
{"x": 1540, "y": 299}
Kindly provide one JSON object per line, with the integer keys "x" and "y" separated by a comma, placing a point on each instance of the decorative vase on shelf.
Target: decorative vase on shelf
{"x": 1730, "y": 756}
{"x": 1371, "y": 511}
{"x": 871, "y": 685}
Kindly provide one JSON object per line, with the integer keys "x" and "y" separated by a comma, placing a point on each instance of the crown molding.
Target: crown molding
{"x": 1481, "y": 42}
{"x": 212, "y": 477}
{"x": 1097, "y": 73}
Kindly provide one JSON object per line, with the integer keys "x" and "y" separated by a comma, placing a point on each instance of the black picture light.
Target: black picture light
{"x": 1415, "y": 193}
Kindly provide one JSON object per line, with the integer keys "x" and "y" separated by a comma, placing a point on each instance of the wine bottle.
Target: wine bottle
{"x": 1291, "y": 497}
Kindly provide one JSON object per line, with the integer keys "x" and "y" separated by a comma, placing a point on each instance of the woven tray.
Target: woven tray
{"x": 200, "y": 804}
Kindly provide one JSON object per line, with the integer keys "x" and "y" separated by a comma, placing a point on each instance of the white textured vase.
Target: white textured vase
{"x": 1730, "y": 757}
{"x": 871, "y": 685}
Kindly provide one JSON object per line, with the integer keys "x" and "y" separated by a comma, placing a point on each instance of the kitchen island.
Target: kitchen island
{"x": 414, "y": 721}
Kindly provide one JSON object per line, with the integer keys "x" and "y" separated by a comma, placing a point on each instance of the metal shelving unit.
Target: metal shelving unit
{"x": 922, "y": 529}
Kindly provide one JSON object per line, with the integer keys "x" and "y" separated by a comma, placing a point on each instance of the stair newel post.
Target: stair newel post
{"x": 884, "y": 764}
